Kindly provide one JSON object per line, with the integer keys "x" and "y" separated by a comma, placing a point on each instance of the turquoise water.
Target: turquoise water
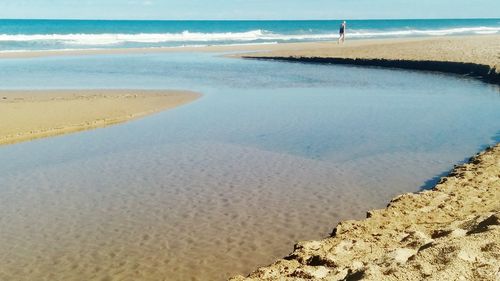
{"x": 73, "y": 34}
{"x": 273, "y": 153}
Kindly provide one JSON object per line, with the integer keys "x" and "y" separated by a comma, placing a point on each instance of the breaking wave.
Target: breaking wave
{"x": 225, "y": 38}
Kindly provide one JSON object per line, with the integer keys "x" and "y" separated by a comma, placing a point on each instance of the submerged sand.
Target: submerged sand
{"x": 449, "y": 233}
{"x": 29, "y": 115}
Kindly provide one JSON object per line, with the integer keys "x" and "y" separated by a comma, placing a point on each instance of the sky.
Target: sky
{"x": 248, "y": 9}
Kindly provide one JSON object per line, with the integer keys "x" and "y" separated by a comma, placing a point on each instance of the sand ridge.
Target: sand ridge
{"x": 28, "y": 115}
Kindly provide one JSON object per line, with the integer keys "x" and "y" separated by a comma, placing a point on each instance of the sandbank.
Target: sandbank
{"x": 473, "y": 55}
{"x": 28, "y": 115}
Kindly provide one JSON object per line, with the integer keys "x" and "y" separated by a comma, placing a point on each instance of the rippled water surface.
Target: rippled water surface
{"x": 271, "y": 154}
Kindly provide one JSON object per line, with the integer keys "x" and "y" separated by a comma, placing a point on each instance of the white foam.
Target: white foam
{"x": 112, "y": 39}
{"x": 428, "y": 32}
{"x": 187, "y": 37}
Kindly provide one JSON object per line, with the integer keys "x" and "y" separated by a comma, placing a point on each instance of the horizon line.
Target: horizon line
{"x": 215, "y": 19}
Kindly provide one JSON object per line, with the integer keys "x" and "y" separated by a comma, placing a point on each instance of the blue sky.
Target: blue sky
{"x": 249, "y": 9}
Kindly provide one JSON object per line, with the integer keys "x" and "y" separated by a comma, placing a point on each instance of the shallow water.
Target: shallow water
{"x": 273, "y": 153}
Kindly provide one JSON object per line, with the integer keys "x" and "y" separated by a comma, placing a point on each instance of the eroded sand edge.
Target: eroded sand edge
{"x": 449, "y": 233}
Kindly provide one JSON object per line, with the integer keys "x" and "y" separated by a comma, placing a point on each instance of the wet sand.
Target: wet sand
{"x": 449, "y": 233}
{"x": 28, "y": 115}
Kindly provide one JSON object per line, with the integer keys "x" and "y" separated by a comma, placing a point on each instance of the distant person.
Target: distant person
{"x": 342, "y": 32}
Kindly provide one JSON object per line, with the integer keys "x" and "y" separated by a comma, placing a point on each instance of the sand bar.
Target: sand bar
{"x": 483, "y": 50}
{"x": 28, "y": 115}
{"x": 449, "y": 233}
{"x": 473, "y": 55}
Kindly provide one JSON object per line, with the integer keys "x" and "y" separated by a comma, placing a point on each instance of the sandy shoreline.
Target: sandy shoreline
{"x": 449, "y": 233}
{"x": 28, "y": 115}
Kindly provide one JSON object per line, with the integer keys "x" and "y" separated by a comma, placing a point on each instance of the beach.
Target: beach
{"x": 451, "y": 232}
{"x": 28, "y": 115}
{"x": 229, "y": 183}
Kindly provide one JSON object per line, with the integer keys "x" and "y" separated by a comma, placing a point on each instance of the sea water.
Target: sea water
{"x": 273, "y": 153}
{"x": 26, "y": 35}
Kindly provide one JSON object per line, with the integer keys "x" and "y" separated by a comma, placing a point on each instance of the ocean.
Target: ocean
{"x": 26, "y": 35}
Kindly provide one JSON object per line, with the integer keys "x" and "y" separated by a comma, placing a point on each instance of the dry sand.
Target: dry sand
{"x": 29, "y": 115}
{"x": 456, "y": 54}
{"x": 483, "y": 50}
{"x": 449, "y": 233}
